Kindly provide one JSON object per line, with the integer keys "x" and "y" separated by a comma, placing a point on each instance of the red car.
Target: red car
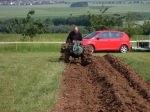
{"x": 108, "y": 40}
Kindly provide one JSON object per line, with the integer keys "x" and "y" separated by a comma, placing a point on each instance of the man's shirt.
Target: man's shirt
{"x": 72, "y": 36}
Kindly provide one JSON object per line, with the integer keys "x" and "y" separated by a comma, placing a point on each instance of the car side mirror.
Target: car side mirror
{"x": 97, "y": 38}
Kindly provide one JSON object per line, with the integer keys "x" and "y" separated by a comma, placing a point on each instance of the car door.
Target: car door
{"x": 115, "y": 40}
{"x": 103, "y": 41}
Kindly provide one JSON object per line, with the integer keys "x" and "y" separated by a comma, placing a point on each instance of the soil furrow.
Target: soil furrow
{"x": 107, "y": 84}
{"x": 134, "y": 79}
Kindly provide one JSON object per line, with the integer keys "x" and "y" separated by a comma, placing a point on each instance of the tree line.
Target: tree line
{"x": 87, "y": 23}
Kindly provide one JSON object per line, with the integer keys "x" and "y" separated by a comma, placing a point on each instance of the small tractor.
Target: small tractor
{"x": 76, "y": 53}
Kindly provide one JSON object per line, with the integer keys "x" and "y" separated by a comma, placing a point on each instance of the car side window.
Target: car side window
{"x": 104, "y": 35}
{"x": 116, "y": 35}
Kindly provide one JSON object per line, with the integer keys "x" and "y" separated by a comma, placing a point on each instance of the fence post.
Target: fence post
{"x": 16, "y": 45}
{"x": 149, "y": 40}
{"x": 137, "y": 41}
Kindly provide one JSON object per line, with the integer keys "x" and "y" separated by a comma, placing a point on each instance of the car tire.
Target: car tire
{"x": 93, "y": 48}
{"x": 123, "y": 49}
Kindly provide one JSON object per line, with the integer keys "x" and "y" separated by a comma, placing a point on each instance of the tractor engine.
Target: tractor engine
{"x": 76, "y": 49}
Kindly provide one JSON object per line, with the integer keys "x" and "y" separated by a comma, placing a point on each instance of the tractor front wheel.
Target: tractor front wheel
{"x": 87, "y": 55}
{"x": 64, "y": 52}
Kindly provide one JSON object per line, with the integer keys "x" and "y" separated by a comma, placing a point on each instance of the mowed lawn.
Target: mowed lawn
{"x": 29, "y": 82}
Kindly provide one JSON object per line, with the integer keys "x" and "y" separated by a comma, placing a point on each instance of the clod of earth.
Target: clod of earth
{"x": 107, "y": 84}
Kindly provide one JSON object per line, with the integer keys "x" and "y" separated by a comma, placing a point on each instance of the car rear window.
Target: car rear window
{"x": 116, "y": 35}
{"x": 90, "y": 35}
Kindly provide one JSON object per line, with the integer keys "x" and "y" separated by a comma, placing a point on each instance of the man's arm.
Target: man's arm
{"x": 68, "y": 38}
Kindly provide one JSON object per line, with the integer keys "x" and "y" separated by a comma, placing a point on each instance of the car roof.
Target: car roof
{"x": 108, "y": 30}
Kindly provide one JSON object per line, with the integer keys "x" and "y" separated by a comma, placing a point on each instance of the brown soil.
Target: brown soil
{"x": 107, "y": 84}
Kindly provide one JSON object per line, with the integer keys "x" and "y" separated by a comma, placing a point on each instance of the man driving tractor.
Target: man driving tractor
{"x": 73, "y": 51}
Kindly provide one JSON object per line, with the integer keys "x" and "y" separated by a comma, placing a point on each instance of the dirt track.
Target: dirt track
{"x": 105, "y": 85}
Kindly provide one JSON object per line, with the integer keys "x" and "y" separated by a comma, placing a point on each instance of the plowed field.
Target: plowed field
{"x": 105, "y": 85}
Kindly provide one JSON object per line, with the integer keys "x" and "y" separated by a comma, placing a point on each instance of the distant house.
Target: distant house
{"x": 79, "y": 4}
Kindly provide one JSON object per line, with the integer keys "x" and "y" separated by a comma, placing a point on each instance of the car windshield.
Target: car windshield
{"x": 90, "y": 35}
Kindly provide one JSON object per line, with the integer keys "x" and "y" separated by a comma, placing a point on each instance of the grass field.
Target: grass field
{"x": 64, "y": 10}
{"x": 39, "y": 38}
{"x": 32, "y": 47}
{"x": 29, "y": 81}
{"x": 40, "y": 44}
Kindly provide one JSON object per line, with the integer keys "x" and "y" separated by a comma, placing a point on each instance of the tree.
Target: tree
{"x": 131, "y": 27}
{"x": 11, "y": 26}
{"x": 81, "y": 20}
{"x": 31, "y": 27}
{"x": 1, "y": 26}
{"x": 48, "y": 21}
{"x": 27, "y": 26}
{"x": 58, "y": 21}
{"x": 102, "y": 22}
{"x": 146, "y": 27}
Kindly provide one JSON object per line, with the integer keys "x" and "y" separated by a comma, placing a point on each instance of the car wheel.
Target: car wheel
{"x": 93, "y": 49}
{"x": 123, "y": 49}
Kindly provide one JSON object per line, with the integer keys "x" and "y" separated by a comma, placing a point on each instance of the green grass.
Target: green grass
{"x": 29, "y": 47}
{"x": 29, "y": 81}
{"x": 39, "y": 38}
{"x": 32, "y": 47}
